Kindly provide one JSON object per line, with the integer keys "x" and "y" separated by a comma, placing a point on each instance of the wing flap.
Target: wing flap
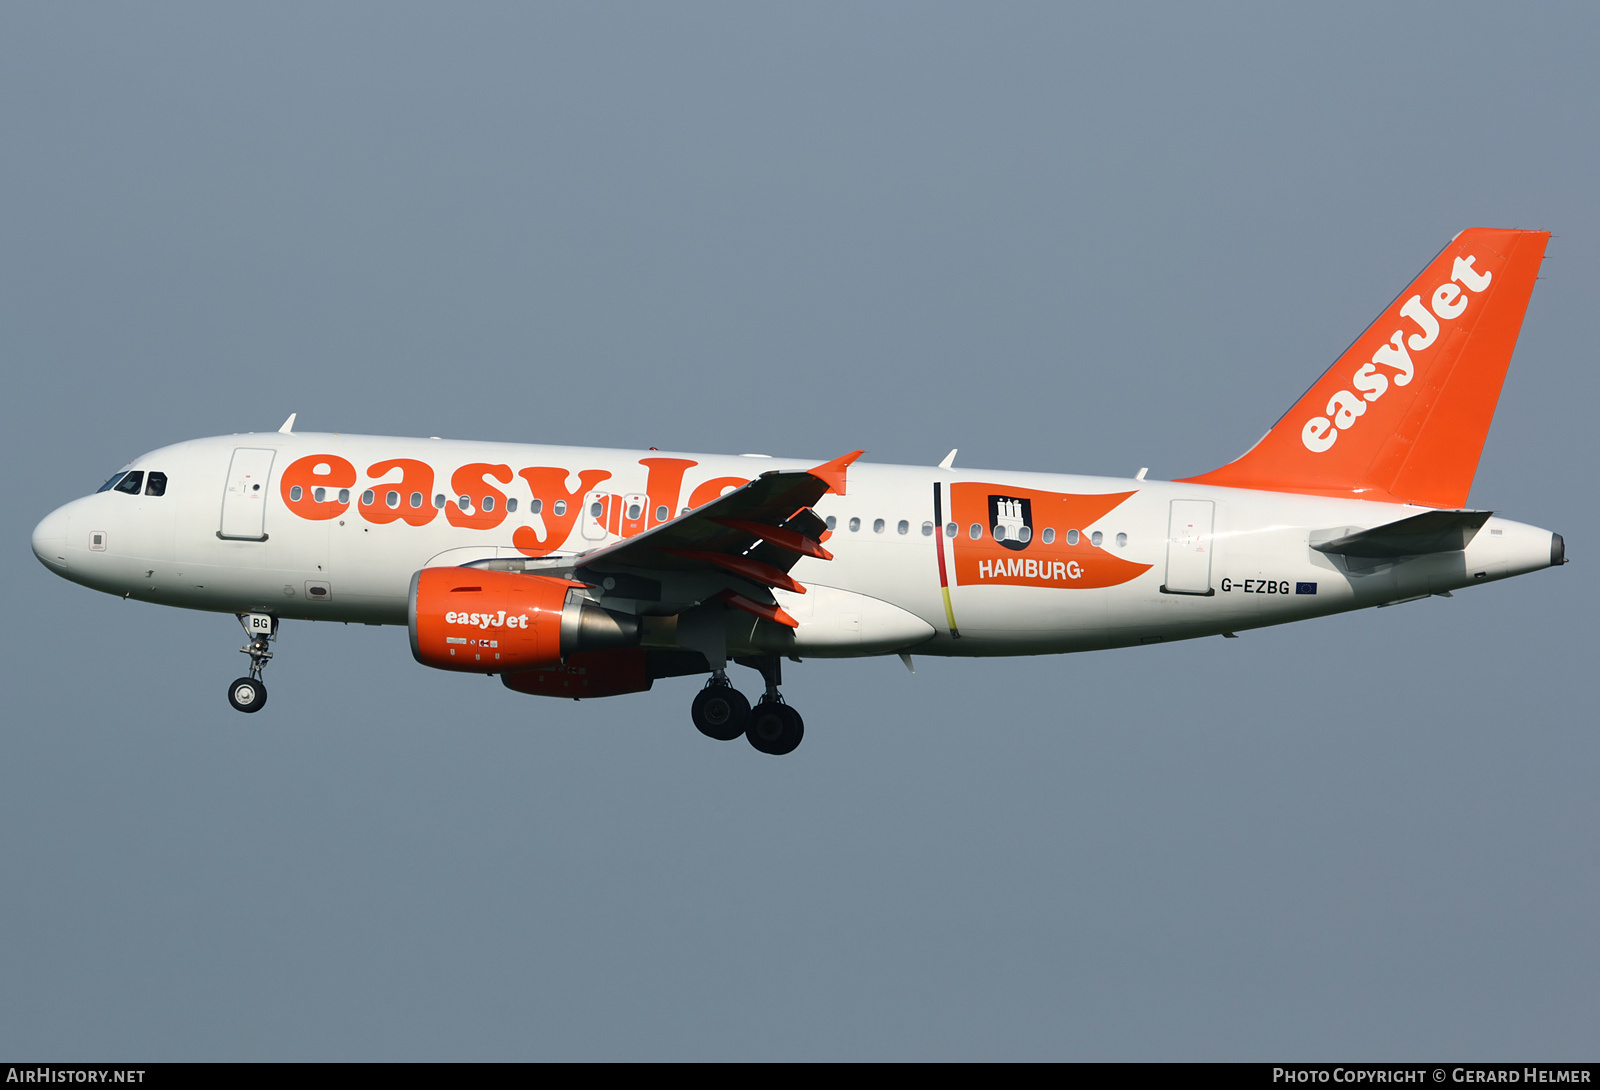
{"x": 747, "y": 540}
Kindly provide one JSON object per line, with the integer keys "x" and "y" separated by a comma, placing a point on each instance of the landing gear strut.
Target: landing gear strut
{"x": 248, "y": 694}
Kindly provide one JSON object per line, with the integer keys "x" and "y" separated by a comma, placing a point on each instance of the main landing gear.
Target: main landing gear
{"x": 775, "y": 727}
{"x": 248, "y": 694}
{"x": 720, "y": 711}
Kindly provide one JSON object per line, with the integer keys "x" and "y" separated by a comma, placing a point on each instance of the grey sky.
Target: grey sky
{"x": 1060, "y": 239}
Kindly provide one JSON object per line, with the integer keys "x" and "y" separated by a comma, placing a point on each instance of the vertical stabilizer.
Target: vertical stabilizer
{"x": 1403, "y": 414}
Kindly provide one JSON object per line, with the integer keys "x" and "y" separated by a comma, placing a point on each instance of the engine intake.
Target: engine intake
{"x": 490, "y": 622}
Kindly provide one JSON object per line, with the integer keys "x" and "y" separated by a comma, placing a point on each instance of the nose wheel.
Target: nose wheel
{"x": 248, "y": 694}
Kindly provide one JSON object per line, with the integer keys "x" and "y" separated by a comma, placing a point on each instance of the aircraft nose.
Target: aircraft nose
{"x": 50, "y": 540}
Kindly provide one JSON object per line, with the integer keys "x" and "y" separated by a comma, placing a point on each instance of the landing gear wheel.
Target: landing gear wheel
{"x": 720, "y": 712}
{"x": 775, "y": 728}
{"x": 247, "y": 694}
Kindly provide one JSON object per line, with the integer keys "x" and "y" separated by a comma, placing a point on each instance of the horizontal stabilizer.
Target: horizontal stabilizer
{"x": 1429, "y": 532}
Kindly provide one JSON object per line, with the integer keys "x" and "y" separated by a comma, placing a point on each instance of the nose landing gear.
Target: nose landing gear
{"x": 248, "y": 694}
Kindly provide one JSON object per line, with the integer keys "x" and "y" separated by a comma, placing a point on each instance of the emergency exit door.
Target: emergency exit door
{"x": 1189, "y": 547}
{"x": 244, "y": 503}
{"x": 596, "y": 509}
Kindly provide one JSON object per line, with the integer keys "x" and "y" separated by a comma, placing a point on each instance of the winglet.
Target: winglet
{"x": 832, "y": 473}
{"x": 288, "y": 425}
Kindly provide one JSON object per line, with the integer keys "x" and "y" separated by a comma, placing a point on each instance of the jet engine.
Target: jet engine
{"x": 493, "y": 622}
{"x": 587, "y": 674}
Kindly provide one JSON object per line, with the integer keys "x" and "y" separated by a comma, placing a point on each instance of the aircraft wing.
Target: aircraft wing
{"x": 738, "y": 546}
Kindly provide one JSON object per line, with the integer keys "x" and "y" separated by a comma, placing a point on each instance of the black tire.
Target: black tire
{"x": 720, "y": 712}
{"x": 775, "y": 728}
{"x": 246, "y": 694}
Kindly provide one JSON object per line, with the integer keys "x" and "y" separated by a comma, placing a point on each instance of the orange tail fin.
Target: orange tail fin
{"x": 1403, "y": 414}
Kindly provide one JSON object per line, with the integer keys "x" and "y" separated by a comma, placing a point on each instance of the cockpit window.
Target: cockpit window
{"x": 156, "y": 484}
{"x": 130, "y": 484}
{"x": 109, "y": 485}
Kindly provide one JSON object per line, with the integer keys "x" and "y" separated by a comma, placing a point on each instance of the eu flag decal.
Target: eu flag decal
{"x": 1305, "y": 588}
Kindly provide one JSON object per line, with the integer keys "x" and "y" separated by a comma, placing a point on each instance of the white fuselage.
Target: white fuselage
{"x": 1151, "y": 568}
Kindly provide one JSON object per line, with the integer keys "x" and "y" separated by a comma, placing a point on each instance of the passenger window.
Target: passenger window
{"x": 1049, "y": 536}
{"x": 927, "y": 529}
{"x": 511, "y": 504}
{"x": 634, "y": 511}
{"x": 1024, "y": 534}
{"x": 595, "y": 509}
{"x": 999, "y": 532}
{"x": 295, "y": 493}
{"x": 951, "y": 529}
{"x": 832, "y": 522}
{"x": 661, "y": 513}
{"x": 438, "y": 501}
{"x": 975, "y": 531}
{"x": 416, "y": 499}
{"x": 109, "y": 485}
{"x": 392, "y": 499}
{"x": 855, "y": 524}
{"x": 155, "y": 484}
{"x": 1072, "y": 537}
{"x": 130, "y": 484}
{"x": 317, "y": 494}
{"x": 535, "y": 505}
{"x": 488, "y": 503}
{"x": 877, "y": 526}
{"x": 1122, "y": 541}
{"x": 344, "y": 495}
{"x": 1095, "y": 539}
{"x": 560, "y": 508}
{"x": 463, "y": 502}
{"x": 903, "y": 527}
{"x": 367, "y": 498}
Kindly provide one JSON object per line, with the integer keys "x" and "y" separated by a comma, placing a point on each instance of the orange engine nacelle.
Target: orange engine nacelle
{"x": 492, "y": 622}
{"x": 586, "y": 675}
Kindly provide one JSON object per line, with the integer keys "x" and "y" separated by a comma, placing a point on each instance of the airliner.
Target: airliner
{"x": 578, "y": 572}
